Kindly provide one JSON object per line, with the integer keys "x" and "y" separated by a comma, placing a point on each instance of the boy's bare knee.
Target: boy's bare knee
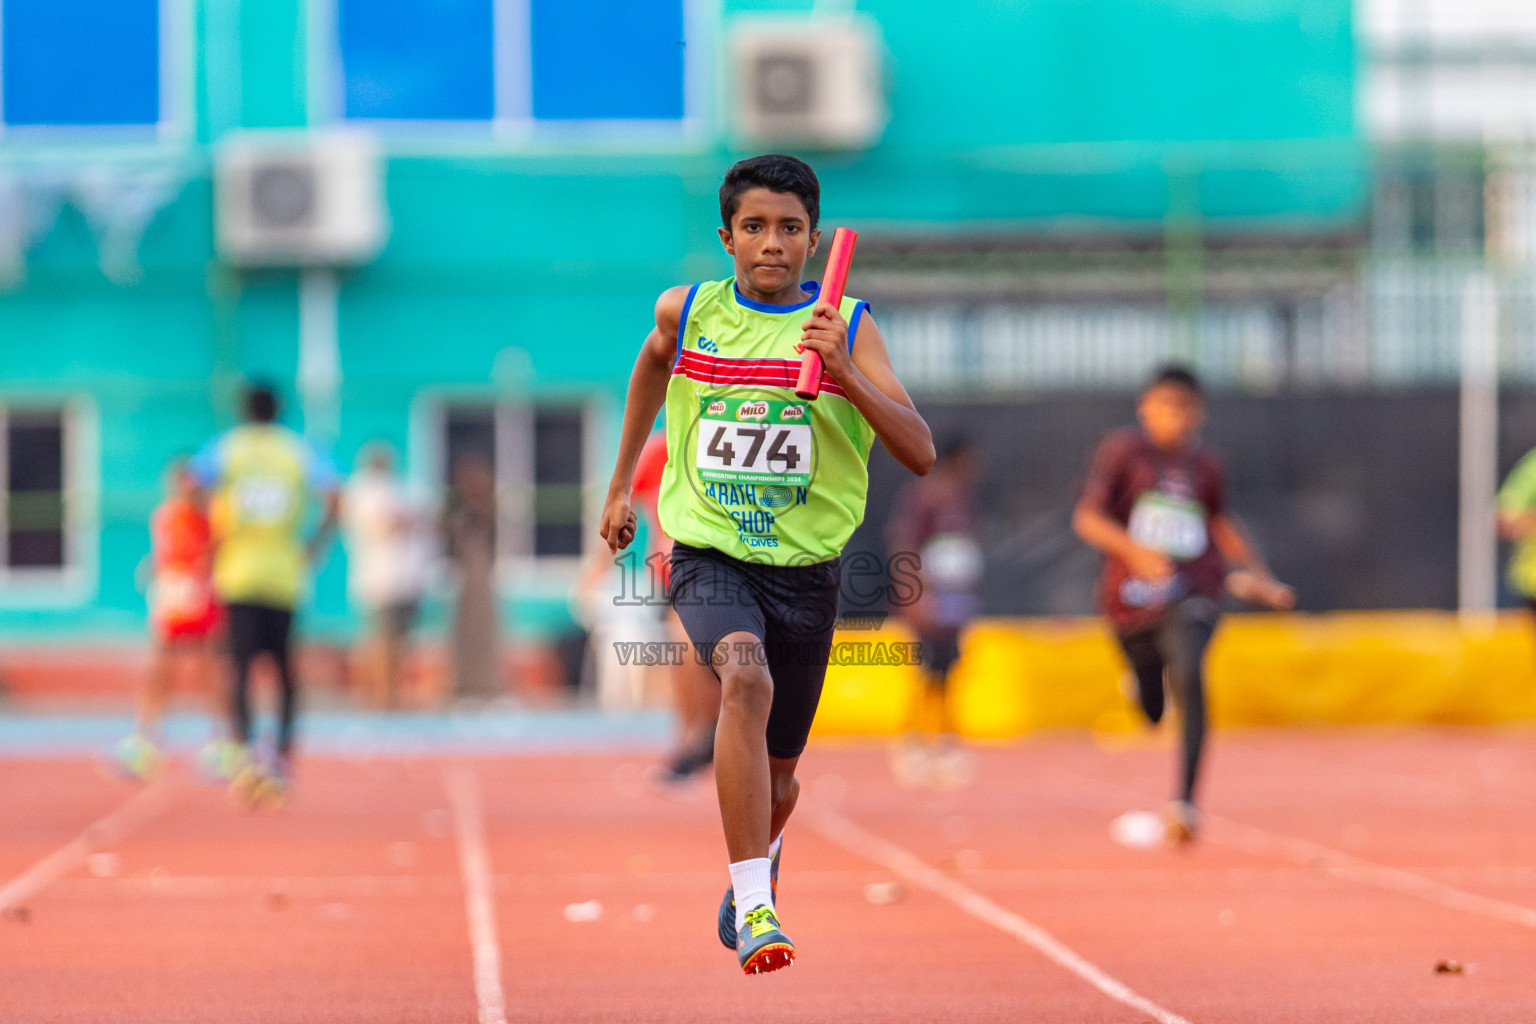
{"x": 746, "y": 690}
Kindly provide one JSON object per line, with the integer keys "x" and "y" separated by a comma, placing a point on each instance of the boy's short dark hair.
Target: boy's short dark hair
{"x": 260, "y": 403}
{"x": 1176, "y": 375}
{"x": 775, "y": 172}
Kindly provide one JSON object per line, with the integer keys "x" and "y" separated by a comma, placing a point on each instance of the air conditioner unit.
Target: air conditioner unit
{"x": 809, "y": 81}
{"x": 308, "y": 200}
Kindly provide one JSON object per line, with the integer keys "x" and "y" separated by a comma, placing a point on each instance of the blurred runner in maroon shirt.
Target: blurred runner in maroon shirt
{"x": 1155, "y": 504}
{"x": 933, "y": 534}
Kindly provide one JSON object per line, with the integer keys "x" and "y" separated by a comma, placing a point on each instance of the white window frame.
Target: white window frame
{"x": 513, "y": 124}
{"x": 75, "y": 583}
{"x": 178, "y": 63}
{"x": 517, "y": 568}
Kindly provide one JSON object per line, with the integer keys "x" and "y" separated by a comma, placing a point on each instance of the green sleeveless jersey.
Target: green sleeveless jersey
{"x": 751, "y": 470}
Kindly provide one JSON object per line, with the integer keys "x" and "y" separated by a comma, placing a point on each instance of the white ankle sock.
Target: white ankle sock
{"x": 750, "y": 880}
{"x": 773, "y": 847}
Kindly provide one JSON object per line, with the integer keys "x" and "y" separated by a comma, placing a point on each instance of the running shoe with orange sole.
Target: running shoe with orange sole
{"x": 763, "y": 947}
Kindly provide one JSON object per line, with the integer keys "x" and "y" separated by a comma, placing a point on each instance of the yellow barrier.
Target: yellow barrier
{"x": 1017, "y": 675}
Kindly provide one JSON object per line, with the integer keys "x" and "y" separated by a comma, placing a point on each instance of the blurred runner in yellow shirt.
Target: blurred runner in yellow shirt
{"x": 1517, "y": 523}
{"x": 263, "y": 478}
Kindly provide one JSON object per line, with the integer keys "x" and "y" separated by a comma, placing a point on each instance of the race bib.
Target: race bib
{"x": 1170, "y": 524}
{"x": 952, "y": 562}
{"x": 179, "y": 596}
{"x": 264, "y": 501}
{"x": 754, "y": 441}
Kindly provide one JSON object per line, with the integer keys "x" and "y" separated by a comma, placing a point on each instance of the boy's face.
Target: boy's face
{"x": 770, "y": 238}
{"x": 1171, "y": 415}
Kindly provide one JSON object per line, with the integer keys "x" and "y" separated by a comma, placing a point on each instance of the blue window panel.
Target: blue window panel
{"x": 418, "y": 60}
{"x": 80, "y": 62}
{"x": 601, "y": 59}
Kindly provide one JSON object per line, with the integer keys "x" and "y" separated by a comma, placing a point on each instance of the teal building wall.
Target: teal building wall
{"x": 529, "y": 263}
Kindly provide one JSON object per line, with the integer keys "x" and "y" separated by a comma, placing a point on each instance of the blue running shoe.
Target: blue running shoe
{"x": 725, "y": 921}
{"x": 137, "y": 759}
{"x": 221, "y": 761}
{"x": 764, "y": 947}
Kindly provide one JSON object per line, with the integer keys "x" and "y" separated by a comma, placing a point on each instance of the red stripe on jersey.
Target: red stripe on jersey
{"x": 707, "y": 359}
{"x": 774, "y": 373}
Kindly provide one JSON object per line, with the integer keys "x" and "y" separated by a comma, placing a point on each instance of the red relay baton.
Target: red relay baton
{"x": 838, "y": 262}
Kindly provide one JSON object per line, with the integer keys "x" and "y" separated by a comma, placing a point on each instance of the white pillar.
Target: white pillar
{"x": 319, "y": 354}
{"x": 1477, "y": 548}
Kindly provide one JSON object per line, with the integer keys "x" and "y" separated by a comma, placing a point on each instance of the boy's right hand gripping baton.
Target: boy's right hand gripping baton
{"x": 838, "y": 262}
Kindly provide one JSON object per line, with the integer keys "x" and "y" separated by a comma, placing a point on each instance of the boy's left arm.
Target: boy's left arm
{"x": 871, "y": 385}
{"x": 1251, "y": 579}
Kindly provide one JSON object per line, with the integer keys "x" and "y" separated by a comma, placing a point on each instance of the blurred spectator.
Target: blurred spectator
{"x": 470, "y": 530}
{"x": 388, "y": 558}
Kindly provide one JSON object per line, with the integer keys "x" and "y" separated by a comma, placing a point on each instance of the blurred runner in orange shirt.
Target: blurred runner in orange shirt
{"x": 695, "y": 691}
{"x": 183, "y": 615}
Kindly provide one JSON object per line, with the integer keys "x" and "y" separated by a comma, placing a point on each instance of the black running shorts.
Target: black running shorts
{"x": 254, "y": 628}
{"x": 791, "y": 609}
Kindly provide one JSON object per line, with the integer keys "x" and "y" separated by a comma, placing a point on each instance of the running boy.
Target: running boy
{"x": 182, "y": 616}
{"x": 1155, "y": 504}
{"x": 760, "y": 494}
{"x": 936, "y": 519}
{"x": 263, "y": 475}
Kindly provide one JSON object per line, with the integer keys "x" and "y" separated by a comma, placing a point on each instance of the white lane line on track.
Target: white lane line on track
{"x": 1338, "y": 864}
{"x": 689, "y": 882}
{"x": 138, "y": 809}
{"x": 475, "y": 867}
{"x": 862, "y": 843}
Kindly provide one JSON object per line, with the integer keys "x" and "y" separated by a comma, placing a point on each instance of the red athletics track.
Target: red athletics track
{"x": 1340, "y": 867}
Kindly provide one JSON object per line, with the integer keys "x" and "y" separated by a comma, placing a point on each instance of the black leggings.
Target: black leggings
{"x": 1178, "y": 645}
{"x": 254, "y": 628}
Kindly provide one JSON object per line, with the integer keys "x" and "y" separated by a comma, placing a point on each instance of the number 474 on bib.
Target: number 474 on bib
{"x": 749, "y": 441}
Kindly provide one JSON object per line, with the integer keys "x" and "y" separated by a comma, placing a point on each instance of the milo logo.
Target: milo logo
{"x": 792, "y": 412}
{"x": 715, "y": 408}
{"x": 752, "y": 411}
